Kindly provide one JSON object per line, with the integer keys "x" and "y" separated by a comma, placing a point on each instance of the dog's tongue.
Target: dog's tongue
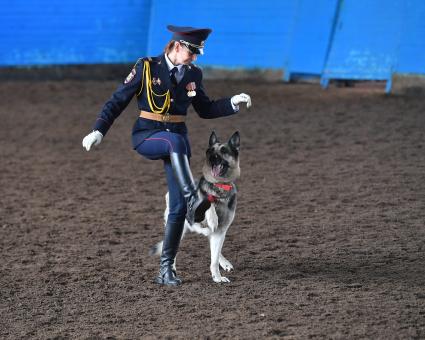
{"x": 216, "y": 170}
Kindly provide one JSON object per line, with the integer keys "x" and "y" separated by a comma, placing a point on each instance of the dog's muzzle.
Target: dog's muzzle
{"x": 218, "y": 165}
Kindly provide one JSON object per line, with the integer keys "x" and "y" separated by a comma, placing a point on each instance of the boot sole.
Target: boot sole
{"x": 160, "y": 281}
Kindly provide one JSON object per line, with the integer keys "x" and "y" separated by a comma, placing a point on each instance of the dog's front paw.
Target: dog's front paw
{"x": 220, "y": 279}
{"x": 225, "y": 264}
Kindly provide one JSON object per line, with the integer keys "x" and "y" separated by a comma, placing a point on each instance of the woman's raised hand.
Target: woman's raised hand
{"x": 242, "y": 98}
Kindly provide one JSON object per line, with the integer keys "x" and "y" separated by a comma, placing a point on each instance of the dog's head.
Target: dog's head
{"x": 222, "y": 159}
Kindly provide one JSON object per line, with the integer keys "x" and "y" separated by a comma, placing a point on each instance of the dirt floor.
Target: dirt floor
{"x": 328, "y": 240}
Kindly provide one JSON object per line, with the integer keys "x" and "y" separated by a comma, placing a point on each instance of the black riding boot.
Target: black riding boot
{"x": 196, "y": 204}
{"x": 170, "y": 245}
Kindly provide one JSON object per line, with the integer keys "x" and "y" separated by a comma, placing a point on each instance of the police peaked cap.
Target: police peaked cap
{"x": 192, "y": 38}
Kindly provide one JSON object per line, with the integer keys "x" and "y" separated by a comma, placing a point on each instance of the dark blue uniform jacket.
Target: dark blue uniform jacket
{"x": 180, "y": 101}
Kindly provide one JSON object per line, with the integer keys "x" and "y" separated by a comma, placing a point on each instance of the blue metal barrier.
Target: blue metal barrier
{"x": 327, "y": 39}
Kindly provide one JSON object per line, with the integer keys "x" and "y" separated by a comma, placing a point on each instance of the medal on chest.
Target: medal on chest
{"x": 156, "y": 81}
{"x": 191, "y": 89}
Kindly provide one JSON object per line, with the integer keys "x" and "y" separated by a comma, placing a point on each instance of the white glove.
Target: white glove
{"x": 94, "y": 137}
{"x": 241, "y": 98}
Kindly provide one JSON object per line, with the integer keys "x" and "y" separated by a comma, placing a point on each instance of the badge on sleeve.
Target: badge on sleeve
{"x": 130, "y": 76}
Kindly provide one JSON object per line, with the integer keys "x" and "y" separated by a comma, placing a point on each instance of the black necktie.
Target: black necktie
{"x": 173, "y": 76}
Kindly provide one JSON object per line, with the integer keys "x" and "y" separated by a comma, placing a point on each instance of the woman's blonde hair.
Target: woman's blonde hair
{"x": 169, "y": 47}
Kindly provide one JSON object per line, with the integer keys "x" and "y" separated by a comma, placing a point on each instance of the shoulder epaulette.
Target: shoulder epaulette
{"x": 151, "y": 59}
{"x": 141, "y": 60}
{"x": 155, "y": 59}
{"x": 196, "y": 67}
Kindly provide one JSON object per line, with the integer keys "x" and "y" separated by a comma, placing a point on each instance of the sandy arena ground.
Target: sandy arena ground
{"x": 328, "y": 241}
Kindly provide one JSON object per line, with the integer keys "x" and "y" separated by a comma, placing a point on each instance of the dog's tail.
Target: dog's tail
{"x": 156, "y": 249}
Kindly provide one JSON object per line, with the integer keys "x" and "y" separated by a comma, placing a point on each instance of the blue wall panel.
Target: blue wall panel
{"x": 366, "y": 38}
{"x": 72, "y": 31}
{"x": 411, "y": 57}
{"x": 310, "y": 38}
{"x": 350, "y": 39}
{"x": 245, "y": 34}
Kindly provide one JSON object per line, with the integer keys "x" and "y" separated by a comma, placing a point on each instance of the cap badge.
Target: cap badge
{"x": 191, "y": 89}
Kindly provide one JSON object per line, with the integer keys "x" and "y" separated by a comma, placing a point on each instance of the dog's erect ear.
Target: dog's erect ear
{"x": 213, "y": 138}
{"x": 235, "y": 141}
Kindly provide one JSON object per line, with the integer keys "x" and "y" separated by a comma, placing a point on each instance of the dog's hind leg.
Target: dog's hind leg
{"x": 156, "y": 249}
{"x": 185, "y": 229}
{"x": 216, "y": 243}
{"x": 167, "y": 207}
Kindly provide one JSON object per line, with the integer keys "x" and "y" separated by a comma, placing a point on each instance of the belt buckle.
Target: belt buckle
{"x": 166, "y": 117}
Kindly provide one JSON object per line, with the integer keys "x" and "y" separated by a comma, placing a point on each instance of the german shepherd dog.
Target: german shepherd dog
{"x": 220, "y": 170}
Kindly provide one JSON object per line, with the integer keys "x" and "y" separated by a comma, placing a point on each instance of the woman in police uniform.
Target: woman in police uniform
{"x": 165, "y": 86}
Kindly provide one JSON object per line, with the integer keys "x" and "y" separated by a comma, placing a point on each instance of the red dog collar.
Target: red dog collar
{"x": 226, "y": 187}
{"x": 212, "y": 198}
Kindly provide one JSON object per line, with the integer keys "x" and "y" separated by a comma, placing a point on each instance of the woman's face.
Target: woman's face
{"x": 184, "y": 55}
